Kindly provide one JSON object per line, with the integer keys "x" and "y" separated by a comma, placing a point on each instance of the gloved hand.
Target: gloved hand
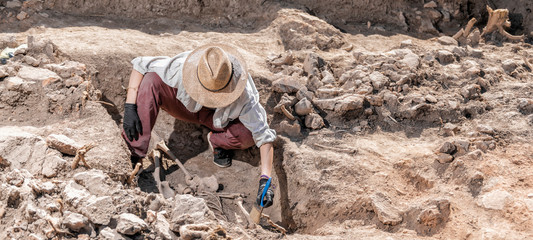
{"x": 132, "y": 124}
{"x": 269, "y": 196}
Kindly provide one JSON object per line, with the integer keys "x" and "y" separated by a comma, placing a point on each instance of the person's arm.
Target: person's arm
{"x": 133, "y": 86}
{"x": 267, "y": 158}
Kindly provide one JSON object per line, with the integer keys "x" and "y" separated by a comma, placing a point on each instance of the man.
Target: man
{"x": 210, "y": 86}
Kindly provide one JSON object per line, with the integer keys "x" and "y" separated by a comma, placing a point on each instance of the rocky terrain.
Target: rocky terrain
{"x": 388, "y": 127}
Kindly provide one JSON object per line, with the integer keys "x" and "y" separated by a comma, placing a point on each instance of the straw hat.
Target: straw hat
{"x": 214, "y": 75}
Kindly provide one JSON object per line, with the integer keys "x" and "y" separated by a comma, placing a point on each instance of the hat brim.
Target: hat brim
{"x": 223, "y": 97}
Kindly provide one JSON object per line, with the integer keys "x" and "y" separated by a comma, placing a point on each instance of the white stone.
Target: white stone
{"x": 496, "y": 199}
{"x": 62, "y": 143}
{"x": 13, "y": 4}
{"x": 110, "y": 234}
{"x": 411, "y": 60}
{"x": 52, "y": 165}
{"x": 75, "y": 221}
{"x": 95, "y": 181}
{"x": 130, "y": 224}
{"x": 406, "y": 43}
{"x": 529, "y": 204}
{"x": 99, "y": 209}
{"x": 378, "y": 79}
{"x": 162, "y": 227}
{"x": 303, "y": 107}
{"x": 37, "y": 74}
{"x": 74, "y": 193}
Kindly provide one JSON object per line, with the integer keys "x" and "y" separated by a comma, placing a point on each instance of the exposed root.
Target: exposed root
{"x": 287, "y": 113}
{"x": 134, "y": 173}
{"x": 528, "y": 64}
{"x": 80, "y": 156}
{"x": 274, "y": 225}
{"x": 498, "y": 19}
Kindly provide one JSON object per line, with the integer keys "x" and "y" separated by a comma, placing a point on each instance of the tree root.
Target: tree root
{"x": 133, "y": 173}
{"x": 56, "y": 231}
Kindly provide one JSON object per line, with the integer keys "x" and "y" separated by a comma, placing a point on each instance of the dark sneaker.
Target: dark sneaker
{"x": 222, "y": 157}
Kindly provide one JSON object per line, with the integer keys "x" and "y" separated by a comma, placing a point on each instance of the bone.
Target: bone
{"x": 134, "y": 173}
{"x": 163, "y": 147}
{"x": 287, "y": 113}
{"x": 80, "y": 156}
{"x": 274, "y": 225}
{"x": 251, "y": 223}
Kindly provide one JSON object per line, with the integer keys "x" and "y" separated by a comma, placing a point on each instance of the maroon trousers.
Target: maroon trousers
{"x": 154, "y": 94}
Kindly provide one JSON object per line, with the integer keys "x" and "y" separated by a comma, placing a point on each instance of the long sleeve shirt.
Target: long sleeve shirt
{"x": 246, "y": 108}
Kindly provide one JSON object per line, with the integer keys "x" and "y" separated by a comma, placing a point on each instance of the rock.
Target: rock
{"x": 162, "y": 227}
{"x": 459, "y": 51}
{"x": 444, "y": 158}
{"x": 485, "y": 129}
{"x": 426, "y": 26}
{"x": 208, "y": 184}
{"x": 328, "y": 78}
{"x": 510, "y": 65}
{"x": 22, "y": 149}
{"x": 74, "y": 81}
{"x": 18, "y": 84}
{"x": 525, "y": 106}
{"x": 450, "y": 129}
{"x": 287, "y": 84}
{"x": 303, "y": 107}
{"x": 448, "y": 148}
{"x": 430, "y": 216}
{"x": 445, "y": 57}
{"x": 446, "y": 40}
{"x": 68, "y": 69}
{"x": 496, "y": 199}
{"x": 386, "y": 212}
{"x": 328, "y": 92}
{"x": 74, "y": 193}
{"x": 3, "y": 72}
{"x": 312, "y": 63}
{"x": 475, "y": 155}
{"x": 431, "y": 4}
{"x": 411, "y": 60}
{"x": 130, "y": 224}
{"x": 99, "y": 209}
{"x": 474, "y": 38}
{"x": 430, "y": 98}
{"x": 378, "y": 80}
{"x": 406, "y": 43}
{"x": 189, "y": 209}
{"x": 22, "y": 15}
{"x": 110, "y": 234}
{"x": 476, "y": 53}
{"x": 304, "y": 93}
{"x": 52, "y": 165}
{"x": 31, "y": 61}
{"x": 471, "y": 91}
{"x": 95, "y": 181}
{"x": 287, "y": 101}
{"x": 13, "y": 4}
{"x": 38, "y": 74}
{"x": 314, "y": 121}
{"x": 293, "y": 130}
{"x": 63, "y": 144}
{"x": 75, "y": 221}
{"x": 530, "y": 119}
{"x": 461, "y": 147}
{"x": 374, "y": 100}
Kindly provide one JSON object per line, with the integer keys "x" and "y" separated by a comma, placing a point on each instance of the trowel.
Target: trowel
{"x": 255, "y": 214}
{"x": 162, "y": 186}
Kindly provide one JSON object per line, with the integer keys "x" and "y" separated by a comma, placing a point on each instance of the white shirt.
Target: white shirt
{"x": 246, "y": 108}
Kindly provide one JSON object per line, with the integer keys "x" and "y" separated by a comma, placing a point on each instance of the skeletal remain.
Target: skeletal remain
{"x": 337, "y": 149}
{"x": 287, "y": 113}
{"x": 80, "y": 155}
{"x": 498, "y": 19}
{"x": 163, "y": 147}
{"x": 274, "y": 225}
{"x": 466, "y": 31}
{"x": 194, "y": 231}
{"x": 251, "y": 223}
{"x": 162, "y": 186}
{"x": 60, "y": 206}
{"x": 57, "y": 231}
{"x": 134, "y": 173}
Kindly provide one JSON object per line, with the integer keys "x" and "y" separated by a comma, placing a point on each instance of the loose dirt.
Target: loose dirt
{"x": 402, "y": 133}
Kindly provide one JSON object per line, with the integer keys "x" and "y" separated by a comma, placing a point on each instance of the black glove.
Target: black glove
{"x": 132, "y": 124}
{"x": 269, "y": 195}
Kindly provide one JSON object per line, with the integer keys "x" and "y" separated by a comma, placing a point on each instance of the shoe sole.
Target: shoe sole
{"x": 222, "y": 166}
